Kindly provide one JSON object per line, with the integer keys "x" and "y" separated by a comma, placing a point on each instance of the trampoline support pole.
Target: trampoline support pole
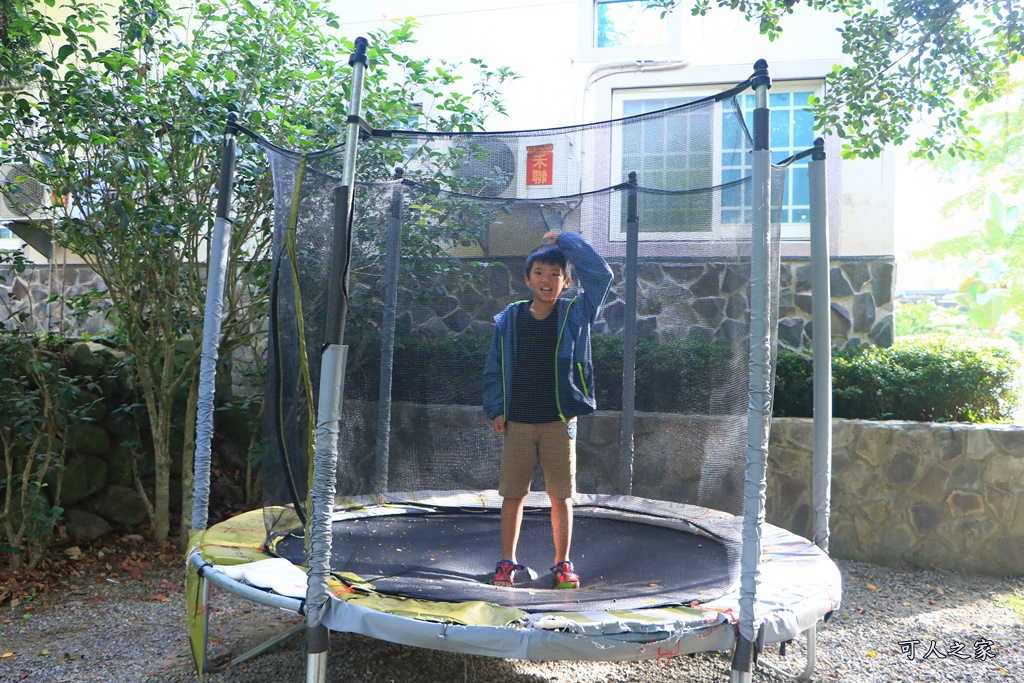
{"x": 628, "y": 421}
{"x": 759, "y": 391}
{"x": 387, "y": 338}
{"x": 821, "y": 301}
{"x": 333, "y": 356}
{"x": 316, "y": 654}
{"x": 216, "y": 277}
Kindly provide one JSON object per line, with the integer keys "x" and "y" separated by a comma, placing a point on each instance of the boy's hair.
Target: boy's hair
{"x": 549, "y": 254}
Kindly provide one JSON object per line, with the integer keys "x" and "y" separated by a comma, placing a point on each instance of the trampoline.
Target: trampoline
{"x": 380, "y": 515}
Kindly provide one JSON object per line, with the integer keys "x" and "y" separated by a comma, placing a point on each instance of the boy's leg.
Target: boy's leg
{"x": 511, "y": 523}
{"x": 517, "y": 461}
{"x": 561, "y": 526}
{"x": 558, "y": 458}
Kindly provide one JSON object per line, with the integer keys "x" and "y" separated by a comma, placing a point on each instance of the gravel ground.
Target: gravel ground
{"x": 134, "y": 631}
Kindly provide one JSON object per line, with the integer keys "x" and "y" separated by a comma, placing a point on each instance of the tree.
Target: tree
{"x": 17, "y": 44}
{"x": 997, "y": 285}
{"x": 1000, "y": 168}
{"x": 911, "y": 61}
{"x": 130, "y": 136}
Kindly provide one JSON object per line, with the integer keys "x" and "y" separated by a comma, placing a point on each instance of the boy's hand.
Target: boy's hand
{"x": 550, "y": 236}
{"x": 499, "y": 424}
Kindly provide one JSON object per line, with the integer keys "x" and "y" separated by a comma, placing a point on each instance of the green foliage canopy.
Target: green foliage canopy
{"x": 120, "y": 112}
{"x": 906, "y": 61}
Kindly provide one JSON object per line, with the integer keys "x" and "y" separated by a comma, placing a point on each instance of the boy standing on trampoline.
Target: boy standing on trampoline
{"x": 537, "y": 380}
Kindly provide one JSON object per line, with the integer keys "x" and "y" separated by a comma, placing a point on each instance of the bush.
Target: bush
{"x": 932, "y": 378}
{"x": 673, "y": 376}
{"x": 925, "y": 378}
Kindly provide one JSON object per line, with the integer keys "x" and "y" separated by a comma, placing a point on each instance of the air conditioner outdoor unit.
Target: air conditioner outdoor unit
{"x": 22, "y": 198}
{"x": 536, "y": 168}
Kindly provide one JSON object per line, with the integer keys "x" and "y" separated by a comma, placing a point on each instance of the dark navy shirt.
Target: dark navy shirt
{"x": 533, "y": 371}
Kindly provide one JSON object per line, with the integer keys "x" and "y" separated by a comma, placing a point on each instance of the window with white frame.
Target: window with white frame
{"x": 792, "y": 131}
{"x": 627, "y": 29}
{"x": 627, "y": 23}
{"x": 698, "y": 146}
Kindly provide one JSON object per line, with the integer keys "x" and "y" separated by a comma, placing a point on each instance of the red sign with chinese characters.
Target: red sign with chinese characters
{"x": 540, "y": 161}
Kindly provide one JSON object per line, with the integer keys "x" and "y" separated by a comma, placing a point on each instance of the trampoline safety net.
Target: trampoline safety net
{"x": 441, "y": 228}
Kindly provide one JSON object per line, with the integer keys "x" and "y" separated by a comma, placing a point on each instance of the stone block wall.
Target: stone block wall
{"x": 923, "y": 494}
{"x": 698, "y": 299}
{"x": 32, "y": 288}
{"x": 862, "y": 302}
{"x": 903, "y": 493}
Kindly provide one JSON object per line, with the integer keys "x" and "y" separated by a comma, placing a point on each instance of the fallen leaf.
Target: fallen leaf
{"x": 6, "y": 655}
{"x": 871, "y": 654}
{"x": 872, "y": 586}
{"x": 160, "y": 596}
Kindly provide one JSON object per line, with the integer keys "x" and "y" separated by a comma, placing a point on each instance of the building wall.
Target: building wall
{"x": 564, "y": 81}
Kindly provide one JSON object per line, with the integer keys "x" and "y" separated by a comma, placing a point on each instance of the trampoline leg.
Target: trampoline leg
{"x": 268, "y": 645}
{"x": 742, "y": 661}
{"x": 205, "y": 592}
{"x": 808, "y": 671}
{"x": 316, "y": 654}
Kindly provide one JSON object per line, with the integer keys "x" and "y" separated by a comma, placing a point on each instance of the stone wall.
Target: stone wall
{"x": 862, "y": 302}
{"x": 100, "y": 454}
{"x": 923, "y": 494}
{"x": 32, "y": 288}
{"x": 913, "y": 493}
{"x": 697, "y": 299}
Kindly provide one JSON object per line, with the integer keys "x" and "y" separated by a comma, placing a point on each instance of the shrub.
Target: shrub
{"x": 673, "y": 376}
{"x": 924, "y": 378}
{"x": 37, "y": 406}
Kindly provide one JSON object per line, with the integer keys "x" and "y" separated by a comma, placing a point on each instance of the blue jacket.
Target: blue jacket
{"x": 574, "y": 367}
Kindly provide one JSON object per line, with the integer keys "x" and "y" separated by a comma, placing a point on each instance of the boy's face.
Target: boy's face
{"x": 546, "y": 280}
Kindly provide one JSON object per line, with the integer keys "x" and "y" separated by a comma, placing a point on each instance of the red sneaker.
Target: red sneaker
{"x": 565, "y": 575}
{"x": 505, "y": 572}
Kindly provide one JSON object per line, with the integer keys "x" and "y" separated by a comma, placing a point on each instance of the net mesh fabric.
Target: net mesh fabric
{"x": 466, "y": 212}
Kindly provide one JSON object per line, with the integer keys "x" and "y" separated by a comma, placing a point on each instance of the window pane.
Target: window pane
{"x": 780, "y": 138}
{"x": 799, "y": 193}
{"x": 792, "y": 131}
{"x": 803, "y": 127}
{"x": 668, "y": 156}
{"x": 624, "y": 23}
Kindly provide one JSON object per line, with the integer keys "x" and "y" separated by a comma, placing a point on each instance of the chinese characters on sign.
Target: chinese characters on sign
{"x": 540, "y": 161}
{"x": 982, "y": 650}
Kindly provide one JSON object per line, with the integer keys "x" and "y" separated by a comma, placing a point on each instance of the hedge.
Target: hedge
{"x": 929, "y": 378}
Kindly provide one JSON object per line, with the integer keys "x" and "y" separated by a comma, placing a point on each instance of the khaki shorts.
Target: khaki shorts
{"x": 552, "y": 444}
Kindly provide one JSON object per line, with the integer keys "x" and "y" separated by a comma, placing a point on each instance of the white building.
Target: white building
{"x": 581, "y": 61}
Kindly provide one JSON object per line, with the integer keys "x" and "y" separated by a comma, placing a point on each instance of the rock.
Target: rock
{"x": 120, "y": 505}
{"x": 87, "y": 439}
{"x": 122, "y": 425}
{"x": 85, "y": 525}
{"x": 82, "y": 361}
{"x": 84, "y": 476}
{"x": 226, "y": 490}
{"x": 119, "y": 465}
